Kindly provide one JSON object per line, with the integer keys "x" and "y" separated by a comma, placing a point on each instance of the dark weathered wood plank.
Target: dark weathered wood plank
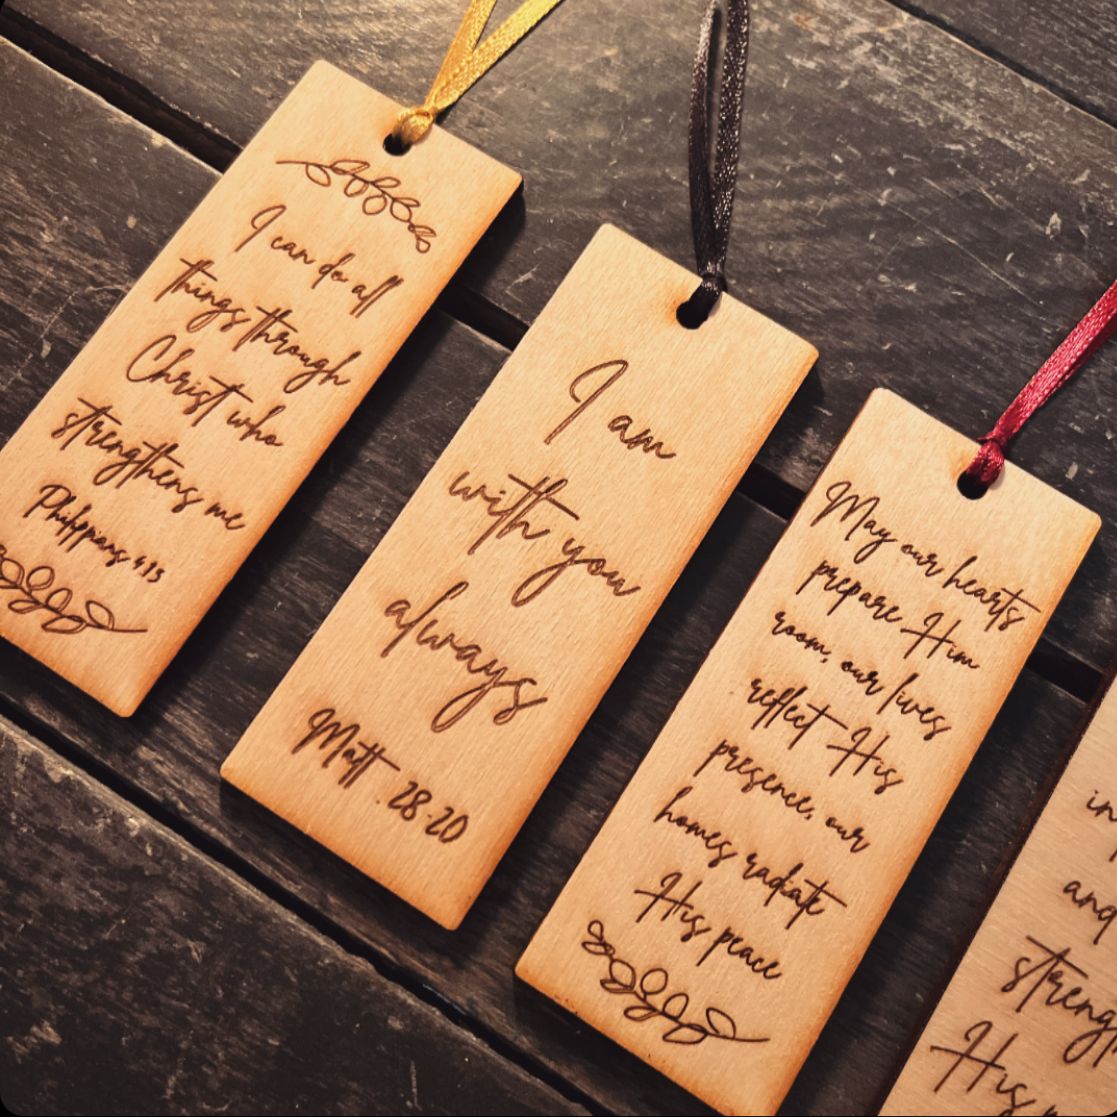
{"x": 1066, "y": 44}
{"x": 171, "y": 749}
{"x": 930, "y": 219}
{"x": 140, "y": 977}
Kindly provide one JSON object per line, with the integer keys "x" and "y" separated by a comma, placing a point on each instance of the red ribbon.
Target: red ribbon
{"x": 1079, "y": 344}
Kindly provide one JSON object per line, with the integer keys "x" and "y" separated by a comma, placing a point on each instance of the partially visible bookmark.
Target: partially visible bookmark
{"x": 1028, "y": 1023}
{"x": 139, "y": 484}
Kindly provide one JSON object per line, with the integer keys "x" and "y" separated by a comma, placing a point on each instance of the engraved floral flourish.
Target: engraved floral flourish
{"x": 648, "y": 992}
{"x": 377, "y": 193}
{"x": 36, "y": 592}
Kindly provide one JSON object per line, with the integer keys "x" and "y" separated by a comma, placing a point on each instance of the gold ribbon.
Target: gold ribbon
{"x": 465, "y": 61}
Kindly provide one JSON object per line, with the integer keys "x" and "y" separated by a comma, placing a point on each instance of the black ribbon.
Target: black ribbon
{"x": 711, "y": 195}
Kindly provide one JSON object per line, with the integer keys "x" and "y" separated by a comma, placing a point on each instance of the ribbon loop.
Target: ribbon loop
{"x": 1085, "y": 339}
{"x": 711, "y": 194}
{"x": 413, "y": 124}
{"x": 988, "y": 462}
{"x": 466, "y": 62}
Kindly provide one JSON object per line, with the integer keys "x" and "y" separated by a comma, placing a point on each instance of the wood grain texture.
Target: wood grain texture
{"x": 62, "y": 272}
{"x": 1066, "y": 44}
{"x": 243, "y": 1007}
{"x": 936, "y": 229}
{"x": 469, "y": 652}
{"x": 188, "y": 419}
{"x": 1034, "y": 1000}
{"x": 722, "y": 908}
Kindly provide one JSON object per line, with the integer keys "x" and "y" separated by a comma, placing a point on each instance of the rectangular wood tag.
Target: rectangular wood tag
{"x": 147, "y": 473}
{"x": 721, "y": 909}
{"x": 1028, "y": 1023}
{"x": 420, "y": 725}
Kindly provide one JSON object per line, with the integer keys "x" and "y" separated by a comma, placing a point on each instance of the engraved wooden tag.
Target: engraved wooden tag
{"x": 718, "y": 914}
{"x": 419, "y": 726}
{"x": 148, "y": 472}
{"x": 1028, "y": 1024}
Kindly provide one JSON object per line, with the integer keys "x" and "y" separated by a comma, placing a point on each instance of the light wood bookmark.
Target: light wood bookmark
{"x": 724, "y": 904}
{"x": 419, "y": 726}
{"x": 148, "y": 472}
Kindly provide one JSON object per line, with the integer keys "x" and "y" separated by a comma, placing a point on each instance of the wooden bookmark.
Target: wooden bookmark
{"x": 1028, "y": 1024}
{"x": 148, "y": 472}
{"x": 419, "y": 726}
{"x": 724, "y": 904}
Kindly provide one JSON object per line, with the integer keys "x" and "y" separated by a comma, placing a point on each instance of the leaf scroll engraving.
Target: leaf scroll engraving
{"x": 651, "y": 1000}
{"x": 34, "y": 591}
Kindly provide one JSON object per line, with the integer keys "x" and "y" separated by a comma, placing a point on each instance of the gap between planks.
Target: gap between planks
{"x": 468, "y": 307}
{"x": 210, "y": 847}
{"x": 990, "y": 52}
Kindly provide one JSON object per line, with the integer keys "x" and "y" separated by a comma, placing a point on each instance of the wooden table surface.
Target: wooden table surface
{"x": 928, "y": 194}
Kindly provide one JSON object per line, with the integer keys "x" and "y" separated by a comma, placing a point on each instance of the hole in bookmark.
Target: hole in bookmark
{"x": 394, "y": 145}
{"x": 690, "y": 316}
{"x": 971, "y": 488}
